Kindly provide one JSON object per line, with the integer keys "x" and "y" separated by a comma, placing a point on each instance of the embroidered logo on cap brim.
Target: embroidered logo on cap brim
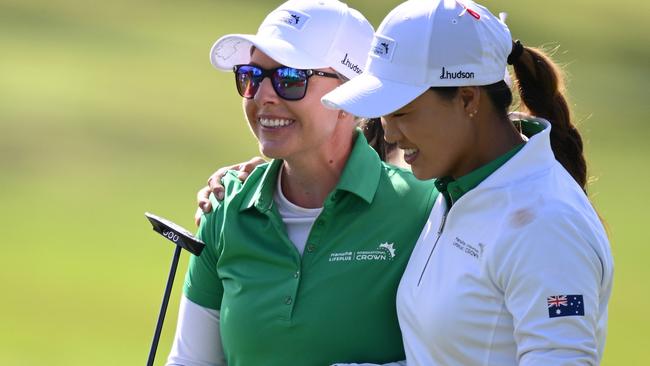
{"x": 228, "y": 49}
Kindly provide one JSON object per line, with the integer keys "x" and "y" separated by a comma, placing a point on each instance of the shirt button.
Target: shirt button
{"x": 295, "y": 275}
{"x": 288, "y": 300}
{"x": 311, "y": 248}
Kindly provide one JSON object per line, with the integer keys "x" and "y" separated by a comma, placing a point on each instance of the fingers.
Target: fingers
{"x": 246, "y": 168}
{"x": 203, "y": 199}
{"x": 197, "y": 216}
{"x": 243, "y": 171}
{"x": 214, "y": 182}
{"x": 215, "y": 187}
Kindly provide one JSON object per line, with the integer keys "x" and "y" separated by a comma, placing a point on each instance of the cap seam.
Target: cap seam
{"x": 336, "y": 36}
{"x": 432, "y": 20}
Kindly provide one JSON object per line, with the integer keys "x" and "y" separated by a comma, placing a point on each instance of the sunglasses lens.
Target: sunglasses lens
{"x": 248, "y": 80}
{"x": 290, "y": 83}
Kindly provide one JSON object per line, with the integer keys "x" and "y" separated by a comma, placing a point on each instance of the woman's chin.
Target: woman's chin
{"x": 423, "y": 173}
{"x": 273, "y": 150}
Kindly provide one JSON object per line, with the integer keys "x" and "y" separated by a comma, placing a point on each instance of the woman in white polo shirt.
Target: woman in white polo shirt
{"x": 513, "y": 266}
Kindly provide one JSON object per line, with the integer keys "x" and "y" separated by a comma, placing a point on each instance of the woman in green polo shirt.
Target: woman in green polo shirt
{"x": 297, "y": 268}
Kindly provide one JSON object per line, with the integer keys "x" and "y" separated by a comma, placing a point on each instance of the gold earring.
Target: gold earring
{"x": 472, "y": 114}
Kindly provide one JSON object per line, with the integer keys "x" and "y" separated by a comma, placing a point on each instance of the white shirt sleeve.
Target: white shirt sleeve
{"x": 398, "y": 363}
{"x": 198, "y": 340}
{"x": 557, "y": 260}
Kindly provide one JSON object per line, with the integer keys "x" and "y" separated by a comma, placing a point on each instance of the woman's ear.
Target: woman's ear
{"x": 470, "y": 97}
{"x": 343, "y": 115}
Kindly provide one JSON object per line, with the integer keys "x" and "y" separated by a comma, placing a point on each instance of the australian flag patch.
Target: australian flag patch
{"x": 565, "y": 305}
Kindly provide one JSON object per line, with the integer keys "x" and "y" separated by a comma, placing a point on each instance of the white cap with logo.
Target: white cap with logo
{"x": 423, "y": 44}
{"x": 304, "y": 34}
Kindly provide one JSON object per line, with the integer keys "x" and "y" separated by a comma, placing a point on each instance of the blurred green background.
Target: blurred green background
{"x": 111, "y": 109}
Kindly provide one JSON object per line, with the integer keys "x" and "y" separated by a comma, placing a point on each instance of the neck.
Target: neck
{"x": 494, "y": 137}
{"x": 308, "y": 179}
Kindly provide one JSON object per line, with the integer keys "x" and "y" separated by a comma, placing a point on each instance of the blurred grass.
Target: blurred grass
{"x": 110, "y": 109}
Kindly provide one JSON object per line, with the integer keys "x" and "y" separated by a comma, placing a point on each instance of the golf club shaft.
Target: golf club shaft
{"x": 163, "y": 307}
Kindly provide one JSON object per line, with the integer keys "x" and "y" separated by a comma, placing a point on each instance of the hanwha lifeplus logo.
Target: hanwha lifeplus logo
{"x": 384, "y": 252}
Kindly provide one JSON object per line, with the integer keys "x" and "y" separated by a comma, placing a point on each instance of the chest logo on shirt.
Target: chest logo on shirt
{"x": 384, "y": 252}
{"x": 469, "y": 249}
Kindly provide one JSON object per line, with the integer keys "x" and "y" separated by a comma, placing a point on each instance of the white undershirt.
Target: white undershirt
{"x": 297, "y": 220}
{"x": 198, "y": 341}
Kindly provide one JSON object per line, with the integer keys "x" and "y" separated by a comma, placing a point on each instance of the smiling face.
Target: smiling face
{"x": 435, "y": 133}
{"x": 286, "y": 129}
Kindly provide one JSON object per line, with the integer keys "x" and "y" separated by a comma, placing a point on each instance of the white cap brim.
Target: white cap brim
{"x": 234, "y": 49}
{"x": 369, "y": 96}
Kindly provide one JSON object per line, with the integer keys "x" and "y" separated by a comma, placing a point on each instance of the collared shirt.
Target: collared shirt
{"x": 336, "y": 302}
{"x": 453, "y": 189}
{"x": 517, "y": 272}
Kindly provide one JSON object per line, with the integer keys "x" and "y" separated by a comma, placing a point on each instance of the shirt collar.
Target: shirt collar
{"x": 454, "y": 189}
{"x": 360, "y": 177}
{"x": 262, "y": 195}
{"x": 535, "y": 157}
{"x": 362, "y": 170}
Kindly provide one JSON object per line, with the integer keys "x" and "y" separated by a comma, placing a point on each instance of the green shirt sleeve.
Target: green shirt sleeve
{"x": 202, "y": 284}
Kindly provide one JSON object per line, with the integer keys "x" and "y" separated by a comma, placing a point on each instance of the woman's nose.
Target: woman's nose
{"x": 265, "y": 93}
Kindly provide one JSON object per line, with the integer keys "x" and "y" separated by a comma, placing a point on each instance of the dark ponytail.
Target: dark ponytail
{"x": 541, "y": 90}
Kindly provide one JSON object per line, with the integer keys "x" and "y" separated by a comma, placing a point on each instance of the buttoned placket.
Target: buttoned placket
{"x": 286, "y": 299}
{"x": 317, "y": 233}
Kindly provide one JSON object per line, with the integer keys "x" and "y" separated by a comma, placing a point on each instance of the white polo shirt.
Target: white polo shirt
{"x": 517, "y": 272}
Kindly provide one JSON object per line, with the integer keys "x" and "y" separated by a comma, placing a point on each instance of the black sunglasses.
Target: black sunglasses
{"x": 288, "y": 83}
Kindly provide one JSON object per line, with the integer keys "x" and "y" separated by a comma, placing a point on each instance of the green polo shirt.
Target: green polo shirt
{"x": 336, "y": 303}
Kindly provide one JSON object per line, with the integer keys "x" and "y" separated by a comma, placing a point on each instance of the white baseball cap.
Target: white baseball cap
{"x": 304, "y": 34}
{"x": 423, "y": 44}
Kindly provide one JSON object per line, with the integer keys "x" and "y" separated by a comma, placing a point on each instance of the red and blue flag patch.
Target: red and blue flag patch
{"x": 565, "y": 305}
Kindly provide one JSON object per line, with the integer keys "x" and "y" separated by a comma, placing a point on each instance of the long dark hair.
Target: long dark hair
{"x": 540, "y": 85}
{"x": 374, "y": 133}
